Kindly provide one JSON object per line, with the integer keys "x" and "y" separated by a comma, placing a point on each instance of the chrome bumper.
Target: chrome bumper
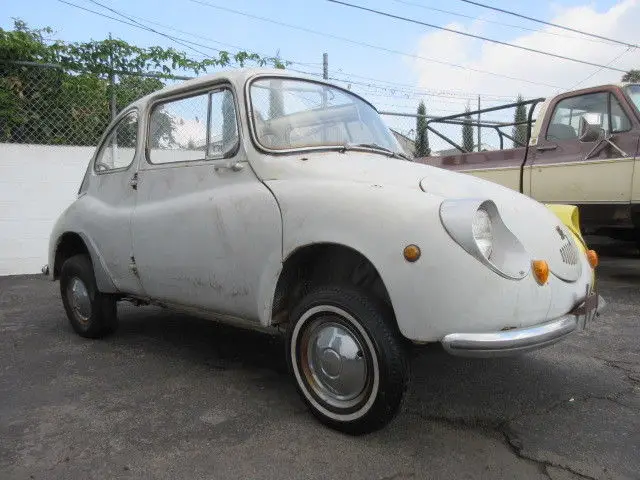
{"x": 518, "y": 340}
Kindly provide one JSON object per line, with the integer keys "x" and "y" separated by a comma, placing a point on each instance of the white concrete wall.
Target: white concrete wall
{"x": 37, "y": 182}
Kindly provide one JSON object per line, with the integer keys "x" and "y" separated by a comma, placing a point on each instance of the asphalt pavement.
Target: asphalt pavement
{"x": 170, "y": 396}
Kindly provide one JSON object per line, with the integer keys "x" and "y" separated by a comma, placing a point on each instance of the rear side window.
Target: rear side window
{"x": 200, "y": 127}
{"x": 119, "y": 148}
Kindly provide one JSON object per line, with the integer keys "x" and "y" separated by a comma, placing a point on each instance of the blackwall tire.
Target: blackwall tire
{"x": 92, "y": 314}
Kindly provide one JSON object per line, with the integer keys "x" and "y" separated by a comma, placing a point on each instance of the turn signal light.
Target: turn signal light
{"x": 411, "y": 253}
{"x": 592, "y": 256}
{"x": 540, "y": 271}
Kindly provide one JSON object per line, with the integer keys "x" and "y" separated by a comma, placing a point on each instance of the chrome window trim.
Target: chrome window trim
{"x": 105, "y": 137}
{"x": 208, "y": 91}
{"x": 252, "y": 130}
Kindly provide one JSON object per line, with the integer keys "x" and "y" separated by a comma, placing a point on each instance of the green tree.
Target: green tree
{"x": 422, "y": 134}
{"x": 467, "y": 132}
{"x": 71, "y": 104}
{"x": 632, "y": 76}
{"x": 519, "y": 132}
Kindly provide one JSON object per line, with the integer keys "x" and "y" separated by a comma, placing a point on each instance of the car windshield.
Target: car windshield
{"x": 298, "y": 114}
{"x": 634, "y": 94}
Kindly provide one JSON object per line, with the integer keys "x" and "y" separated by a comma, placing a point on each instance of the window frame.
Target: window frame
{"x": 609, "y": 94}
{"x": 280, "y": 152}
{"x": 629, "y": 121}
{"x": 208, "y": 91}
{"x": 105, "y": 138}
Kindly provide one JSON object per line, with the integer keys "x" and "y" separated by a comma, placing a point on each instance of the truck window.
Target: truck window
{"x": 602, "y": 109}
{"x": 619, "y": 120}
{"x": 634, "y": 93}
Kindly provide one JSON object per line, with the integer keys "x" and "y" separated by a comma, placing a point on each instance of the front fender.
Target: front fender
{"x": 379, "y": 222}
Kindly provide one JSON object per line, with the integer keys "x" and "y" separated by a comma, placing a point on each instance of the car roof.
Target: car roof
{"x": 238, "y": 77}
{"x": 235, "y": 76}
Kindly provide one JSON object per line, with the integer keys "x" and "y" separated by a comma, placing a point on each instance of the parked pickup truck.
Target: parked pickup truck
{"x": 582, "y": 150}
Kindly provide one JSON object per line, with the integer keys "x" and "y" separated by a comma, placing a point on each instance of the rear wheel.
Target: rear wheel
{"x": 347, "y": 359}
{"x": 92, "y": 314}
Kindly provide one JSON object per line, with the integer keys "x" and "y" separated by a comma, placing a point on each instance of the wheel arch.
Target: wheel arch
{"x": 72, "y": 243}
{"x": 316, "y": 264}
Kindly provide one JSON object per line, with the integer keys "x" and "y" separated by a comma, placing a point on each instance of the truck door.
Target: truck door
{"x": 595, "y": 171}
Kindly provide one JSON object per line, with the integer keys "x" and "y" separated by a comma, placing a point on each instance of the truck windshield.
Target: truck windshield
{"x": 293, "y": 114}
{"x": 634, "y": 94}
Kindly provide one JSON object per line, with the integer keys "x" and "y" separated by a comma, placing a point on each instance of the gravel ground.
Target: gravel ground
{"x": 170, "y": 396}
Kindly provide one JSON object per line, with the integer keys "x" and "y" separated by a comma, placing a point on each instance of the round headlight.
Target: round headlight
{"x": 482, "y": 232}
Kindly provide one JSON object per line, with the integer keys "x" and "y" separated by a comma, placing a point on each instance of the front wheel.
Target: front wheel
{"x": 347, "y": 359}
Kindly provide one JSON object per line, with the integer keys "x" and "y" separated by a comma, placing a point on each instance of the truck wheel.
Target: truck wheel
{"x": 92, "y": 314}
{"x": 347, "y": 359}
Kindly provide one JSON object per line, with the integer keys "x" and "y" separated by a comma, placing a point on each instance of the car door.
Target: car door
{"x": 204, "y": 225}
{"x": 595, "y": 173}
{"x": 111, "y": 200}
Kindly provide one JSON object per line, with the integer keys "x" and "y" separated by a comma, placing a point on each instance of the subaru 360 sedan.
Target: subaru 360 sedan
{"x": 283, "y": 203}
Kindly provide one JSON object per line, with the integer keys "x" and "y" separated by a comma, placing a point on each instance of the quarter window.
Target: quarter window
{"x": 119, "y": 148}
{"x": 195, "y": 128}
{"x": 601, "y": 109}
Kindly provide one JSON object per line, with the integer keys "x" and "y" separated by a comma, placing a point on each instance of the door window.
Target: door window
{"x": 601, "y": 109}
{"x": 119, "y": 148}
{"x": 194, "y": 128}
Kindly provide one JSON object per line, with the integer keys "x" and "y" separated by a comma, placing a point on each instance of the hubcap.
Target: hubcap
{"x": 334, "y": 362}
{"x": 79, "y": 299}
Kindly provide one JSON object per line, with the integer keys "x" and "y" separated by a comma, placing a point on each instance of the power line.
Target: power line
{"x": 138, "y": 25}
{"x": 478, "y": 4}
{"x": 618, "y": 57}
{"x": 133, "y": 25}
{"x": 439, "y": 93}
{"x": 209, "y": 39}
{"x": 395, "y": 92}
{"x": 484, "y": 20}
{"x": 368, "y": 45}
{"x": 471, "y": 35}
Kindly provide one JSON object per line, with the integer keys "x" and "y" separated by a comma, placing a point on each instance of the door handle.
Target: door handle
{"x": 134, "y": 181}
{"x": 545, "y": 148}
{"x": 233, "y": 166}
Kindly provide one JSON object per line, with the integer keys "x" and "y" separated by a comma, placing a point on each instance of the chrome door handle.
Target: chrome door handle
{"x": 134, "y": 181}
{"x": 233, "y": 166}
{"x": 545, "y": 148}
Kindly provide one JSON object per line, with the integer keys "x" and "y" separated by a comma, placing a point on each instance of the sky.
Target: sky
{"x": 409, "y": 61}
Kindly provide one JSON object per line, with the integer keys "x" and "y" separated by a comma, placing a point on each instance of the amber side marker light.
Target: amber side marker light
{"x": 411, "y": 253}
{"x": 592, "y": 256}
{"x": 540, "y": 271}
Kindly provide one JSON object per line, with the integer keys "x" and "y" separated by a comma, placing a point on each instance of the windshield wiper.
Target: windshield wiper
{"x": 375, "y": 146}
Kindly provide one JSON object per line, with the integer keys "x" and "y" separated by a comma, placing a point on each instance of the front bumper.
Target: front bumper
{"x": 519, "y": 340}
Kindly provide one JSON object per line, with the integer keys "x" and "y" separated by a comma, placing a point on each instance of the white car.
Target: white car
{"x": 283, "y": 203}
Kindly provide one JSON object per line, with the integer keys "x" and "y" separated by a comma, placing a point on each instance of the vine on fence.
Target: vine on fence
{"x": 55, "y": 92}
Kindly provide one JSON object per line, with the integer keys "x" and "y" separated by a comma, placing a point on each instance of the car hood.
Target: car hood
{"x": 534, "y": 224}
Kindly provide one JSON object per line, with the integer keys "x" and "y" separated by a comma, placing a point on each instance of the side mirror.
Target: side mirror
{"x": 589, "y": 133}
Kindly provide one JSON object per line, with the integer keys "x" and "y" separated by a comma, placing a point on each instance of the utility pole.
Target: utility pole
{"x": 325, "y": 76}
{"x": 112, "y": 101}
{"x": 479, "y": 137}
{"x": 325, "y": 66}
{"x": 112, "y": 81}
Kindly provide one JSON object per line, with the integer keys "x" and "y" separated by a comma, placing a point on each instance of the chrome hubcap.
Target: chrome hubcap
{"x": 334, "y": 362}
{"x": 79, "y": 299}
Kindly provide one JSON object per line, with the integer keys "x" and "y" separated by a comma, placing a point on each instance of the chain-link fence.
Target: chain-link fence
{"x": 51, "y": 105}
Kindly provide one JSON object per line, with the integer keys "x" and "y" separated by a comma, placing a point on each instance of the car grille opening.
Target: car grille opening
{"x": 569, "y": 254}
